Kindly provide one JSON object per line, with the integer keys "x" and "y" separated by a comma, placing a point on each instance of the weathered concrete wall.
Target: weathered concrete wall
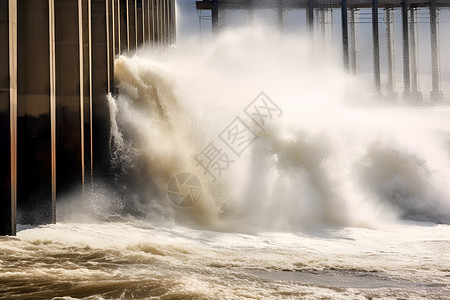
{"x": 56, "y": 67}
{"x": 8, "y": 116}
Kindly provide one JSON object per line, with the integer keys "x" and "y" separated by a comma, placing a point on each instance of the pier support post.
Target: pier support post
{"x": 376, "y": 46}
{"x": 131, "y": 22}
{"x": 70, "y": 95}
{"x": 344, "y": 23}
{"x": 165, "y": 22}
{"x": 436, "y": 93}
{"x": 152, "y": 22}
{"x": 56, "y": 66}
{"x": 158, "y": 25}
{"x": 8, "y": 116}
{"x": 310, "y": 17}
{"x": 102, "y": 84}
{"x": 123, "y": 25}
{"x": 139, "y": 23}
{"x": 415, "y": 93}
{"x": 144, "y": 21}
{"x": 390, "y": 60}
{"x": 172, "y": 26}
{"x": 280, "y": 16}
{"x": 215, "y": 16}
{"x": 36, "y": 131}
{"x": 116, "y": 26}
{"x": 406, "y": 71}
{"x": 353, "y": 57}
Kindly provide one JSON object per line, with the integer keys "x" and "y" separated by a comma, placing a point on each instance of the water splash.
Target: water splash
{"x": 336, "y": 156}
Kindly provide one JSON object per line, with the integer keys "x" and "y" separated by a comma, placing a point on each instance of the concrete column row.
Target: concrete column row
{"x": 138, "y": 22}
{"x": 56, "y": 67}
{"x": 8, "y": 116}
{"x": 409, "y": 44}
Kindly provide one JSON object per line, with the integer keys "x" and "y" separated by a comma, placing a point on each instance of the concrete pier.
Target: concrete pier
{"x": 35, "y": 111}
{"x": 56, "y": 68}
{"x": 376, "y": 47}
{"x": 436, "y": 93}
{"x": 390, "y": 52}
{"x": 349, "y": 11}
{"x": 344, "y": 25}
{"x": 416, "y": 95}
{"x": 8, "y": 117}
{"x": 353, "y": 55}
{"x": 405, "y": 29}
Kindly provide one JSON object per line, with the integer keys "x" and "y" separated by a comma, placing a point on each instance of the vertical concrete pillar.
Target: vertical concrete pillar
{"x": 88, "y": 104}
{"x": 136, "y": 24}
{"x": 344, "y": 24}
{"x": 144, "y": 21}
{"x": 321, "y": 26}
{"x": 110, "y": 45}
{"x": 215, "y": 16}
{"x": 152, "y": 22}
{"x": 102, "y": 84}
{"x": 158, "y": 22}
{"x": 250, "y": 12}
{"x": 123, "y": 25}
{"x": 132, "y": 25}
{"x": 173, "y": 24}
{"x": 52, "y": 54}
{"x": 8, "y": 116}
{"x": 169, "y": 7}
{"x": 280, "y": 16}
{"x": 416, "y": 94}
{"x": 165, "y": 32}
{"x": 310, "y": 16}
{"x": 139, "y": 23}
{"x": 36, "y": 166}
{"x": 116, "y": 26}
{"x": 406, "y": 74}
{"x": 390, "y": 50}
{"x": 85, "y": 61}
{"x": 353, "y": 58}
{"x": 169, "y": 20}
{"x": 70, "y": 84}
{"x": 153, "y": 29}
{"x": 164, "y": 22}
{"x": 149, "y": 19}
{"x": 436, "y": 93}
{"x": 376, "y": 46}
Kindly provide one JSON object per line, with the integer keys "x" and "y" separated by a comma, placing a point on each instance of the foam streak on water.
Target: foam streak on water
{"x": 135, "y": 259}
